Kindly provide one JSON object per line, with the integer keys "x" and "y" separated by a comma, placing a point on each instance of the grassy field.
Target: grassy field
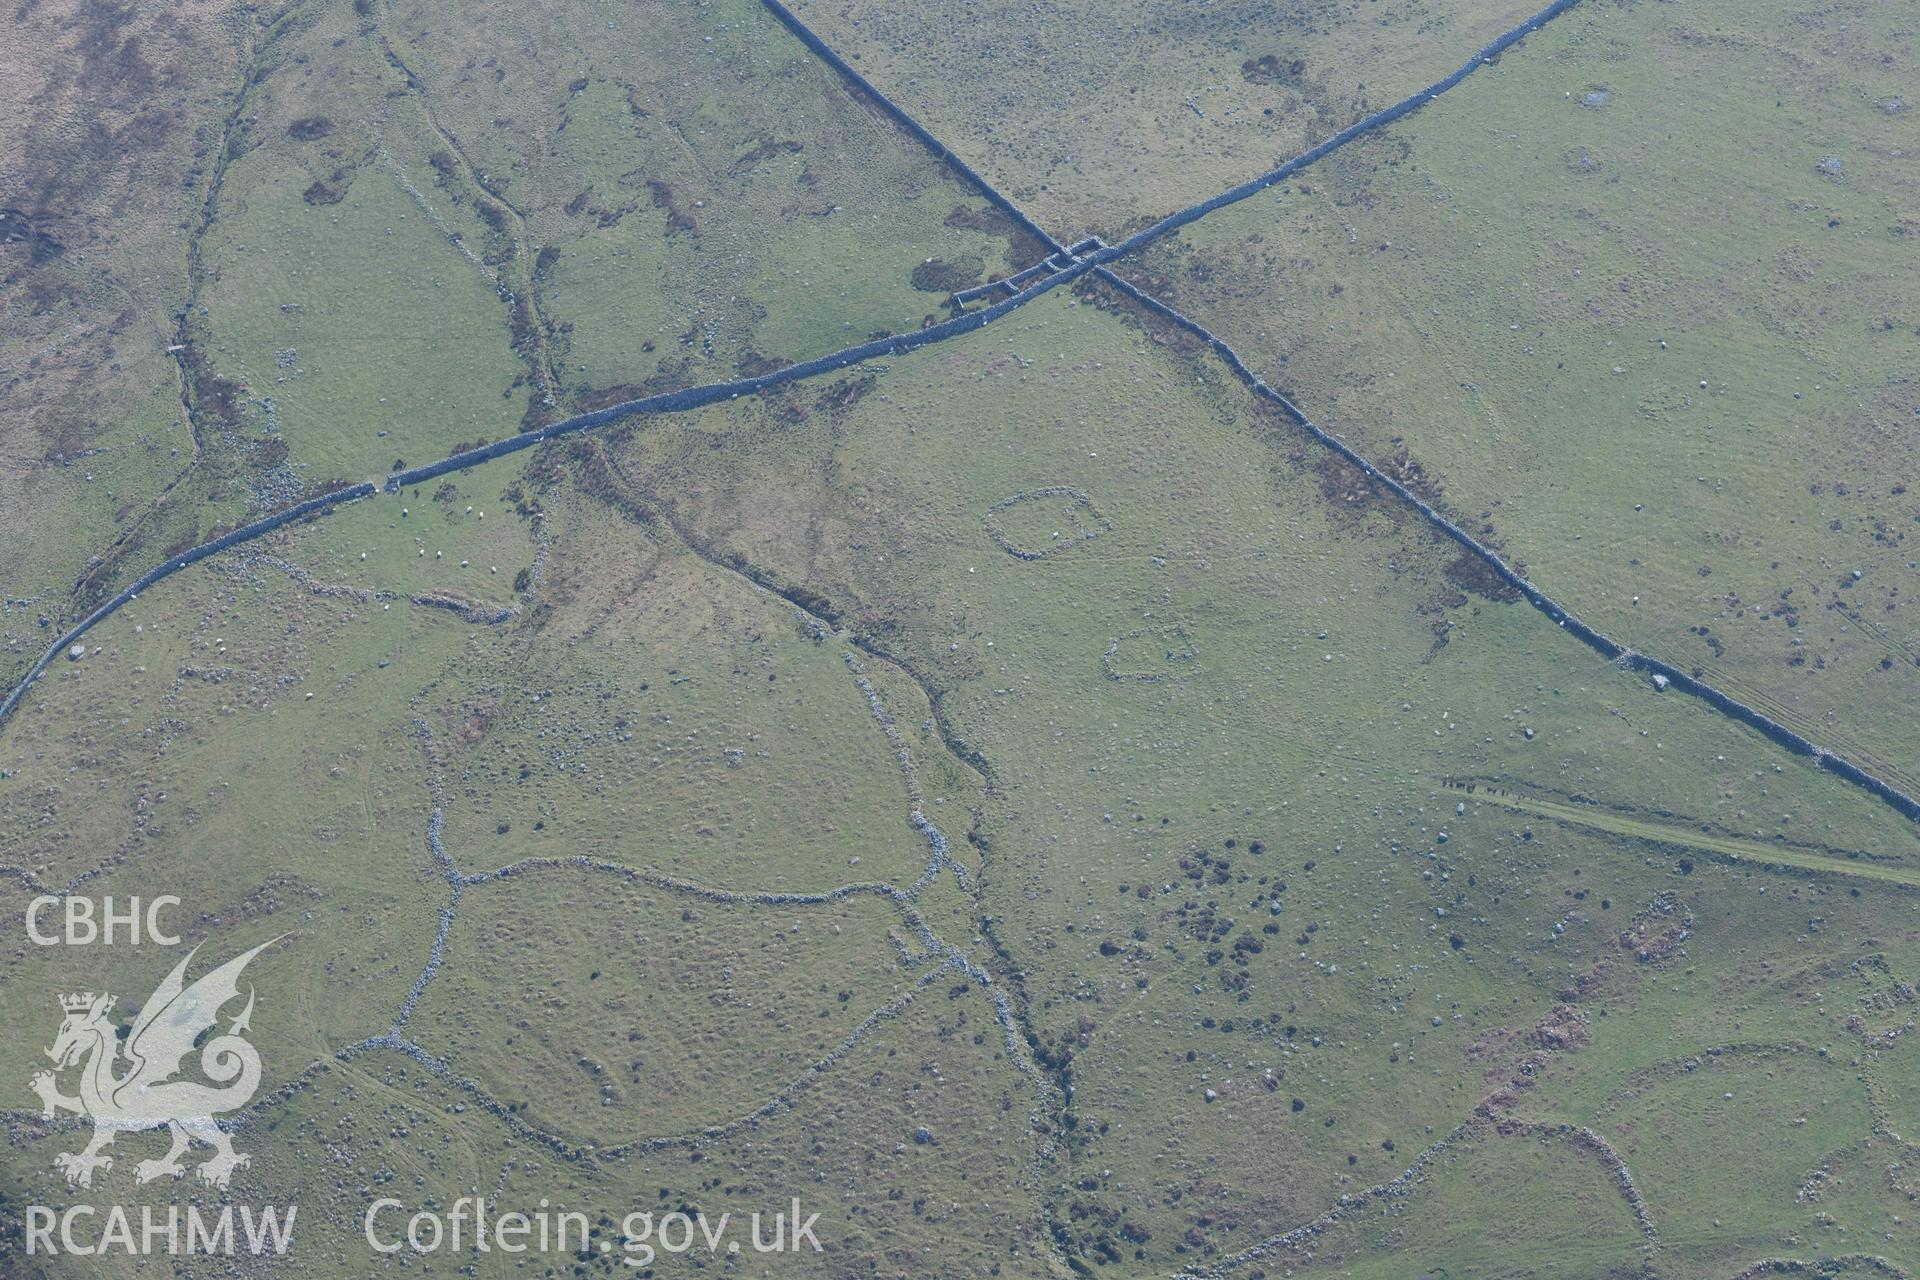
{"x": 1262, "y": 952}
{"x": 1502, "y": 1205}
{"x": 668, "y": 715}
{"x": 184, "y": 756}
{"x": 308, "y": 815}
{"x": 1102, "y": 125}
{"x": 1022, "y": 797}
{"x": 343, "y": 263}
{"x": 644, "y": 1015}
{"x": 1321, "y": 674}
{"x": 960, "y": 1203}
{"x": 1634, "y": 305}
{"x": 298, "y": 289}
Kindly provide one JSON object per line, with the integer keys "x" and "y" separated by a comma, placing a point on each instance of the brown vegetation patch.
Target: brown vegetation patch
{"x": 536, "y": 415}
{"x": 1406, "y": 470}
{"x": 475, "y": 719}
{"x": 1270, "y": 68}
{"x": 1023, "y": 249}
{"x": 311, "y": 129}
{"x": 767, "y": 149}
{"x": 1657, "y": 932}
{"x": 754, "y": 365}
{"x": 673, "y": 376}
{"x": 117, "y": 119}
{"x": 786, "y": 405}
{"x": 321, "y": 193}
{"x": 17, "y": 228}
{"x": 1090, "y": 288}
{"x": 845, "y": 393}
{"x": 1596, "y": 980}
{"x": 938, "y": 276}
{"x": 678, "y": 218}
{"x": 603, "y": 217}
{"x": 593, "y": 474}
{"x": 1349, "y": 489}
{"x": 522, "y": 326}
{"x": 211, "y": 392}
{"x": 1470, "y": 572}
{"x": 1497, "y": 1049}
{"x": 1565, "y": 1028}
{"x": 989, "y": 220}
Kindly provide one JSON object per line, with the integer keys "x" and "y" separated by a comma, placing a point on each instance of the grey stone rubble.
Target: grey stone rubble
{"x": 1078, "y": 501}
{"x": 1400, "y": 1186}
{"x": 300, "y": 575}
{"x": 1623, "y": 1177}
{"x": 476, "y": 612}
{"x": 453, "y": 237}
{"x": 1393, "y": 1187}
{"x": 1826, "y": 1267}
{"x": 936, "y": 841}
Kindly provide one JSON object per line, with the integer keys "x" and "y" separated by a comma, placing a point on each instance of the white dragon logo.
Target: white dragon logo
{"x": 145, "y": 1095}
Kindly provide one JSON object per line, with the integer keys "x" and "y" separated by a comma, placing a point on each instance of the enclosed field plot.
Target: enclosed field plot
{"x": 231, "y": 741}
{"x": 663, "y": 1012}
{"x": 665, "y": 712}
